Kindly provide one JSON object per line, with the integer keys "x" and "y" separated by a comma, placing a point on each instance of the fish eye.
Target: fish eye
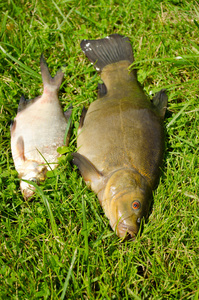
{"x": 34, "y": 180}
{"x": 136, "y": 205}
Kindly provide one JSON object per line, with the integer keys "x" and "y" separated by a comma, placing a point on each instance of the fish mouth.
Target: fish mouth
{"x": 27, "y": 190}
{"x": 28, "y": 193}
{"x": 126, "y": 232}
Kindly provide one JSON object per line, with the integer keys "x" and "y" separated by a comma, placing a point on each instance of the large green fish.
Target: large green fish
{"x": 121, "y": 137}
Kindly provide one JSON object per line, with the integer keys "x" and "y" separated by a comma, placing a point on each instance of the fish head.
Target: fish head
{"x": 128, "y": 209}
{"x": 32, "y": 171}
{"x": 129, "y": 201}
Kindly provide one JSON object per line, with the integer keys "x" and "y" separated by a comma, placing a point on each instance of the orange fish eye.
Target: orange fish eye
{"x": 136, "y": 204}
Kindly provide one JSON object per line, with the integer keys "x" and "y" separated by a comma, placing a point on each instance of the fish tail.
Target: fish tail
{"x": 53, "y": 82}
{"x": 111, "y": 49}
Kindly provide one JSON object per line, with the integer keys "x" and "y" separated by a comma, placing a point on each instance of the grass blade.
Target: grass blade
{"x": 196, "y": 23}
{"x": 25, "y": 68}
{"x": 3, "y": 24}
{"x": 63, "y": 15}
{"x": 68, "y": 275}
{"x": 61, "y": 35}
{"x": 135, "y": 297}
{"x": 47, "y": 205}
{"x": 179, "y": 113}
{"x": 85, "y": 233}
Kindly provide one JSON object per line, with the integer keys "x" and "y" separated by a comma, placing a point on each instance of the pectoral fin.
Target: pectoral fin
{"x": 20, "y": 148}
{"x": 87, "y": 169}
{"x": 160, "y": 101}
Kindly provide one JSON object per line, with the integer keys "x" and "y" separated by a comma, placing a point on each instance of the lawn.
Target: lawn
{"x": 59, "y": 244}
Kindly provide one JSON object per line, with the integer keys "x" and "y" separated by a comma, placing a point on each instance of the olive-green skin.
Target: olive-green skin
{"x": 123, "y": 138}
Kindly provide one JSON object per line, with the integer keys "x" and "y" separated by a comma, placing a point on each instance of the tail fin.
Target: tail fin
{"x": 54, "y": 82}
{"x": 109, "y": 50}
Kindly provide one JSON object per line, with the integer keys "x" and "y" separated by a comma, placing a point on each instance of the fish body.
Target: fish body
{"x": 37, "y": 131}
{"x": 121, "y": 137}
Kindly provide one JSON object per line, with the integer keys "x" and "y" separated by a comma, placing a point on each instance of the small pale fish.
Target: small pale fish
{"x": 37, "y": 131}
{"x": 121, "y": 137}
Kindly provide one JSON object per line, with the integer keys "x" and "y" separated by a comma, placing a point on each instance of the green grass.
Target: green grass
{"x": 59, "y": 245}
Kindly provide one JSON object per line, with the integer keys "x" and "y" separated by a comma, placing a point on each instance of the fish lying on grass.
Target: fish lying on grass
{"x": 121, "y": 137}
{"x": 37, "y": 131}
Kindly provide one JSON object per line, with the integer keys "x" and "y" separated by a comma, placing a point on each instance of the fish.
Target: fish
{"x": 120, "y": 139}
{"x": 37, "y": 131}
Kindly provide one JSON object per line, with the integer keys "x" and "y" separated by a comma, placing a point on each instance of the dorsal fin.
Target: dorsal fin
{"x": 24, "y": 103}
